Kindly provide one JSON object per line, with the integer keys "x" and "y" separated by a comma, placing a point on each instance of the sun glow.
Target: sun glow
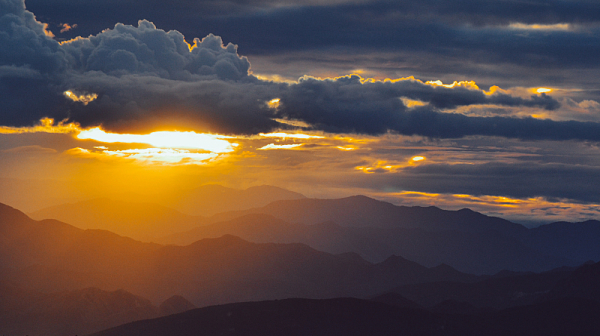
{"x": 418, "y": 158}
{"x": 543, "y": 90}
{"x": 274, "y": 146}
{"x": 164, "y": 156}
{"x": 290, "y": 135}
{"x": 182, "y": 140}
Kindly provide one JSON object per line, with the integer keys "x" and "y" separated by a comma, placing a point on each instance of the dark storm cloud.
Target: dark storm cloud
{"x": 473, "y": 29}
{"x": 146, "y": 77}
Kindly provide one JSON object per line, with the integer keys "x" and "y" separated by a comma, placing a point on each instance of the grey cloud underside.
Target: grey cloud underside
{"x": 471, "y": 29}
{"x": 145, "y": 77}
{"x": 553, "y": 181}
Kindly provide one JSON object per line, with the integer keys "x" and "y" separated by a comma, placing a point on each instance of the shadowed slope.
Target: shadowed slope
{"x": 293, "y": 317}
{"x": 349, "y": 317}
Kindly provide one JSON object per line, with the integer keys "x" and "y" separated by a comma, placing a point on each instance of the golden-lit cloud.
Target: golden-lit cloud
{"x": 274, "y": 103}
{"x": 166, "y": 139}
{"x": 45, "y": 125}
{"x": 163, "y": 156}
{"x": 418, "y": 158}
{"x": 152, "y": 156}
{"x": 290, "y": 135}
{"x": 466, "y": 84}
{"x": 65, "y": 27}
{"x": 543, "y": 90}
{"x": 295, "y": 123}
{"x": 527, "y": 209}
{"x": 82, "y": 98}
{"x": 549, "y": 27}
{"x": 274, "y": 146}
{"x": 410, "y": 103}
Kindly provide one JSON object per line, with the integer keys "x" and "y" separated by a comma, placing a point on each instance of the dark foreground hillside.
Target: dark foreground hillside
{"x": 347, "y": 317}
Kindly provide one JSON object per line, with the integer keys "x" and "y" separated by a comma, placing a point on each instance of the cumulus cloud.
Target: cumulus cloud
{"x": 143, "y": 78}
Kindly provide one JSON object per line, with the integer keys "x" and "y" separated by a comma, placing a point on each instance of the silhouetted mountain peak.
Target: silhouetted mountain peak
{"x": 395, "y": 261}
{"x": 9, "y": 214}
{"x": 174, "y": 305}
{"x": 584, "y": 282}
{"x": 225, "y": 240}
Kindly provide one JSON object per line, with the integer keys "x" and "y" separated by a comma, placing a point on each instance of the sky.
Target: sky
{"x": 490, "y": 105}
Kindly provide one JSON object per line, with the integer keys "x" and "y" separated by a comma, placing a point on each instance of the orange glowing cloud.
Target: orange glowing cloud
{"x": 82, "y": 98}
{"x": 46, "y": 125}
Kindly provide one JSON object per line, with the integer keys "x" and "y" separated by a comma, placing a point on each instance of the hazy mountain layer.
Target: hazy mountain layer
{"x": 141, "y": 221}
{"x": 211, "y": 199}
{"x": 49, "y": 255}
{"x": 477, "y": 251}
{"x": 362, "y": 211}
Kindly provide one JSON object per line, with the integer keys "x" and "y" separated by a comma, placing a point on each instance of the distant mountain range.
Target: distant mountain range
{"x": 390, "y": 315}
{"x": 68, "y": 279}
{"x": 50, "y": 255}
{"x": 211, "y": 199}
{"x": 464, "y": 239}
{"x": 141, "y": 221}
{"x": 148, "y": 221}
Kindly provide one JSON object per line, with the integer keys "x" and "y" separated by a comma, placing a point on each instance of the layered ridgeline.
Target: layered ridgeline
{"x": 30, "y": 312}
{"x": 562, "y": 311}
{"x": 464, "y": 239}
{"x": 77, "y": 281}
{"x": 149, "y": 217}
{"x": 49, "y": 255}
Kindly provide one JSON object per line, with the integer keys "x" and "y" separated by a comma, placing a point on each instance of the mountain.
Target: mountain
{"x": 575, "y": 241}
{"x": 174, "y": 305}
{"x": 362, "y": 211}
{"x": 50, "y": 255}
{"x": 494, "y": 292}
{"x": 211, "y": 199}
{"x": 74, "y": 312}
{"x": 83, "y": 311}
{"x": 478, "y": 252}
{"x": 584, "y": 283}
{"x": 342, "y": 316}
{"x": 141, "y": 221}
{"x": 353, "y": 317}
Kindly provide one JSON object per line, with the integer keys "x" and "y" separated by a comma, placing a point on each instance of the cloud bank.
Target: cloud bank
{"x": 144, "y": 78}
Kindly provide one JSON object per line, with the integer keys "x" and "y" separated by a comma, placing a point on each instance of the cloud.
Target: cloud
{"x": 35, "y": 149}
{"x": 144, "y": 78}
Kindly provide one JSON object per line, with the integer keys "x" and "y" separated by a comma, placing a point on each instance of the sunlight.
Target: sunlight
{"x": 418, "y": 158}
{"x": 274, "y": 146}
{"x": 164, "y": 156}
{"x": 290, "y": 135}
{"x": 166, "y": 139}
